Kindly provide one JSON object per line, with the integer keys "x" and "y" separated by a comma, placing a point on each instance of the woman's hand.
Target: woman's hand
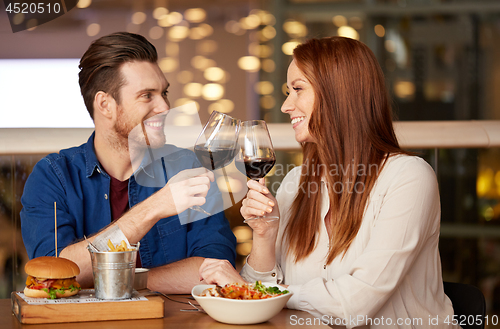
{"x": 219, "y": 271}
{"x": 260, "y": 202}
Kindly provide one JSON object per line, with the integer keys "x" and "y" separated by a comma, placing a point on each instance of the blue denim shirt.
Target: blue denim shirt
{"x": 80, "y": 186}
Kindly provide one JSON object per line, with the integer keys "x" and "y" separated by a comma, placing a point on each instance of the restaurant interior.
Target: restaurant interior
{"x": 441, "y": 60}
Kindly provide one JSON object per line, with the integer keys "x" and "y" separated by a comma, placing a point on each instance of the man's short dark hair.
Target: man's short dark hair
{"x": 100, "y": 65}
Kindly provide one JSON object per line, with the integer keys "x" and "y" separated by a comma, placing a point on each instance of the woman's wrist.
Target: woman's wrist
{"x": 268, "y": 238}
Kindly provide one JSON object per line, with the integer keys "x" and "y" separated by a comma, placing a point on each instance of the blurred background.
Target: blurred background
{"x": 441, "y": 59}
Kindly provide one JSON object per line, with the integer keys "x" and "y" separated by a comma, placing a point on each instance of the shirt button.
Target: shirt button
{"x": 273, "y": 275}
{"x": 98, "y": 170}
{"x": 105, "y": 196}
{"x": 324, "y": 267}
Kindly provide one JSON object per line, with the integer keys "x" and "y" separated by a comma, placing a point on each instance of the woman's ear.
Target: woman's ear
{"x": 104, "y": 104}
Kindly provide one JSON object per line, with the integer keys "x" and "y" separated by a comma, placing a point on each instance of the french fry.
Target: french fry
{"x": 111, "y": 246}
{"x": 122, "y": 246}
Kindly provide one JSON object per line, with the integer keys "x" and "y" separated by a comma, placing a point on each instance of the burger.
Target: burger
{"x": 51, "y": 277}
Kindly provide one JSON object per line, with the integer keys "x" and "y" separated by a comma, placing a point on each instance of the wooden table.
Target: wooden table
{"x": 173, "y": 319}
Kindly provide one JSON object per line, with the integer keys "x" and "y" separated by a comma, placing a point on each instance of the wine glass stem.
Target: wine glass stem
{"x": 200, "y": 209}
{"x": 228, "y": 186}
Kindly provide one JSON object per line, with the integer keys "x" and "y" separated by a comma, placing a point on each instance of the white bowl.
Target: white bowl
{"x": 141, "y": 278}
{"x": 235, "y": 311}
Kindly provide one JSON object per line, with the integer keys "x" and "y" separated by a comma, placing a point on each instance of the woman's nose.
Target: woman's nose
{"x": 287, "y": 105}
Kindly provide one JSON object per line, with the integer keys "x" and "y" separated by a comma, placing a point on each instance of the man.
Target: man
{"x": 96, "y": 183}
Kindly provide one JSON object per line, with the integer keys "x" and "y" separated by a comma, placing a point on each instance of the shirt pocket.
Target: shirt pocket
{"x": 173, "y": 238}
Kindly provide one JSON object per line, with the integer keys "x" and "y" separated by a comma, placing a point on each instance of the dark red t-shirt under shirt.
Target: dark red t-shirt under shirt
{"x": 118, "y": 197}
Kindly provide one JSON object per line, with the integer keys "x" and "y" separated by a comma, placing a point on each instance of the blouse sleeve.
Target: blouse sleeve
{"x": 251, "y": 275}
{"x": 408, "y": 217}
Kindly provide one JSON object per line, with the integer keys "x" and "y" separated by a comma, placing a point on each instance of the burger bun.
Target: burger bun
{"x": 49, "y": 267}
{"x": 42, "y": 294}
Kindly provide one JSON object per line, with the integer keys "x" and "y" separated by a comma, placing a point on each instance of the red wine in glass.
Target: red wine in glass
{"x": 257, "y": 156}
{"x": 215, "y": 158}
{"x": 255, "y": 168}
{"x": 217, "y": 143}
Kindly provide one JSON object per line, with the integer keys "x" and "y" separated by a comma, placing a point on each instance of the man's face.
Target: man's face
{"x": 143, "y": 105}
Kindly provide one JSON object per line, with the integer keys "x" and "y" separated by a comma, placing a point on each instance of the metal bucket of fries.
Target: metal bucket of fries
{"x": 114, "y": 272}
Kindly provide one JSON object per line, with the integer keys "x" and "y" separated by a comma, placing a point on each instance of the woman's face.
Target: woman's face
{"x": 299, "y": 103}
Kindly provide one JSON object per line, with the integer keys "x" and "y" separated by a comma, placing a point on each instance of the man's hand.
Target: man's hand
{"x": 221, "y": 272}
{"x": 186, "y": 189}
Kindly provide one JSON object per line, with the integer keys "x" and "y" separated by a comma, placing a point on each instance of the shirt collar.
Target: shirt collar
{"x": 91, "y": 163}
{"x": 146, "y": 164}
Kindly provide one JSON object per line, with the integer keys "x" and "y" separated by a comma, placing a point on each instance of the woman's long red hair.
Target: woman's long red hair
{"x": 351, "y": 123}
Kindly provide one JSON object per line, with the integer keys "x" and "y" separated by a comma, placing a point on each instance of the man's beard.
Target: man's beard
{"x": 130, "y": 135}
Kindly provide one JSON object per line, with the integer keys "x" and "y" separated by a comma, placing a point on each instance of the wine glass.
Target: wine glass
{"x": 216, "y": 145}
{"x": 256, "y": 158}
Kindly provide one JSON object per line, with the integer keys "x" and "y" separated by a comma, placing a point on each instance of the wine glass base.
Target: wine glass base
{"x": 263, "y": 218}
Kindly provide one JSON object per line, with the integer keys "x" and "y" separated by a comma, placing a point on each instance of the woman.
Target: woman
{"x": 357, "y": 239}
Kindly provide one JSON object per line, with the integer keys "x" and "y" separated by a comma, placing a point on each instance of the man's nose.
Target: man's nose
{"x": 163, "y": 106}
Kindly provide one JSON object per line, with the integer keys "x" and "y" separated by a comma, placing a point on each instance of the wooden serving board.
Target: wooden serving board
{"x": 151, "y": 308}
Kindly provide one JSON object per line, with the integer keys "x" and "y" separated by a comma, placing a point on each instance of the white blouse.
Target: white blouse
{"x": 391, "y": 274}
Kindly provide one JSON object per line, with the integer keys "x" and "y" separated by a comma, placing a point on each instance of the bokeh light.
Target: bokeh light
{"x": 83, "y": 3}
{"x": 138, "y": 17}
{"x": 214, "y": 74}
{"x": 404, "y": 89}
{"x": 339, "y": 20}
{"x": 18, "y": 18}
{"x": 379, "y": 30}
{"x": 295, "y": 28}
{"x": 242, "y": 233}
{"x": 249, "y": 63}
{"x": 268, "y": 65}
{"x": 212, "y": 91}
{"x": 221, "y": 106}
{"x": 250, "y": 22}
{"x": 264, "y": 87}
{"x": 160, "y": 12}
{"x": 390, "y": 46}
{"x": 193, "y": 89}
{"x": 267, "y": 102}
{"x": 244, "y": 248}
{"x": 201, "y": 63}
{"x": 168, "y": 64}
{"x": 178, "y": 33}
{"x": 184, "y": 101}
{"x": 195, "y": 15}
{"x": 31, "y": 24}
{"x": 348, "y": 32}
{"x": 289, "y": 46}
{"x": 93, "y": 29}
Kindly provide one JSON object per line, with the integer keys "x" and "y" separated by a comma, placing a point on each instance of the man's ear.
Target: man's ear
{"x": 104, "y": 104}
